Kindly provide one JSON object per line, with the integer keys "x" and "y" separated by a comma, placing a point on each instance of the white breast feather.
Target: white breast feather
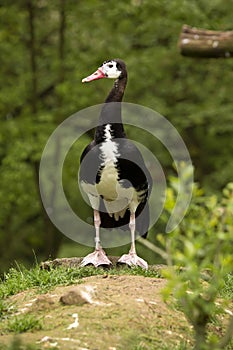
{"x": 116, "y": 198}
{"x": 108, "y": 148}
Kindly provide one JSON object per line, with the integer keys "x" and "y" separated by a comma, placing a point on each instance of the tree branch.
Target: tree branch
{"x": 196, "y": 42}
{"x": 228, "y": 335}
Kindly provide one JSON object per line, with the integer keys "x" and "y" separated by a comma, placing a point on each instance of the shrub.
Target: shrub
{"x": 201, "y": 247}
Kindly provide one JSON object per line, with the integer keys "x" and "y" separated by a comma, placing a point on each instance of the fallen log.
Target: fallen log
{"x": 196, "y": 42}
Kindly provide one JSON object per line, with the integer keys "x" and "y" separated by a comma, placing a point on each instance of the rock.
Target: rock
{"x": 75, "y": 262}
{"x": 78, "y": 296}
{"x": 43, "y": 302}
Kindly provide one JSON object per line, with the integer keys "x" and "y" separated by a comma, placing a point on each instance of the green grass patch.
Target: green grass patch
{"x": 23, "y": 323}
{"x": 227, "y": 290}
{"x": 5, "y": 308}
{"x": 16, "y": 344}
{"x": 20, "y": 279}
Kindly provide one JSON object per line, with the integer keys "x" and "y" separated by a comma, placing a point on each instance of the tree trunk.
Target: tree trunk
{"x": 227, "y": 336}
{"x": 62, "y": 27}
{"x": 200, "y": 337}
{"x": 195, "y": 42}
{"x": 52, "y": 237}
{"x": 32, "y": 52}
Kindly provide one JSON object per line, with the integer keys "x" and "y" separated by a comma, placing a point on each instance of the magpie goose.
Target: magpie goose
{"x": 113, "y": 173}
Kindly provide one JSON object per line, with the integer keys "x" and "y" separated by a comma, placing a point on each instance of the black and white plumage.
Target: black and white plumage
{"x": 113, "y": 173}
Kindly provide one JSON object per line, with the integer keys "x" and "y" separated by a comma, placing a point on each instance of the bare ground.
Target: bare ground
{"x": 119, "y": 313}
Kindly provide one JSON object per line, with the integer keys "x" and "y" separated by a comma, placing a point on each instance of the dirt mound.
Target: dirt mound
{"x": 119, "y": 312}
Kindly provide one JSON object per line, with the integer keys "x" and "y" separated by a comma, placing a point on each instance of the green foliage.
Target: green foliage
{"x": 227, "y": 290}
{"x": 41, "y": 67}
{"x": 23, "y": 323}
{"x": 179, "y": 347}
{"x": 6, "y": 308}
{"x": 201, "y": 247}
{"x": 16, "y": 344}
{"x": 17, "y": 280}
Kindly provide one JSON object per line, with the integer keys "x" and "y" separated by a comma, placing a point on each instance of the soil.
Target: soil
{"x": 116, "y": 313}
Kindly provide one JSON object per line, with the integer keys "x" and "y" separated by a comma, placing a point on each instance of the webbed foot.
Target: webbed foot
{"x": 132, "y": 259}
{"x": 97, "y": 258}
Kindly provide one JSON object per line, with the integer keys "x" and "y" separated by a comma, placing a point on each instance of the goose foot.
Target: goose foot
{"x": 97, "y": 258}
{"x": 132, "y": 259}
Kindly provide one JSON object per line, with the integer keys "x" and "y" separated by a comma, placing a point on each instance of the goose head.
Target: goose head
{"x": 112, "y": 69}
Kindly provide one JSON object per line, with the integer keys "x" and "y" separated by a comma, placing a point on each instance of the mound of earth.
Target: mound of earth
{"x": 105, "y": 312}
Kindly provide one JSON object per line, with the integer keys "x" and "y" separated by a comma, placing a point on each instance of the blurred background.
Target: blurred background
{"x": 47, "y": 47}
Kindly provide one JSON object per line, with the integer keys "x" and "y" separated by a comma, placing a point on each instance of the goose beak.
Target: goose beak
{"x": 99, "y": 74}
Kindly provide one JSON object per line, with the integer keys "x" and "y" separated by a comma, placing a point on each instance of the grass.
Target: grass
{"x": 139, "y": 342}
{"x": 17, "y": 280}
{"x": 16, "y": 344}
{"x": 21, "y": 279}
{"x": 23, "y": 323}
{"x": 227, "y": 290}
{"x": 4, "y": 308}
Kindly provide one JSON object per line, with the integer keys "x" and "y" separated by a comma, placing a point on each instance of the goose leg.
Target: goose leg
{"x": 98, "y": 257}
{"x": 132, "y": 258}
